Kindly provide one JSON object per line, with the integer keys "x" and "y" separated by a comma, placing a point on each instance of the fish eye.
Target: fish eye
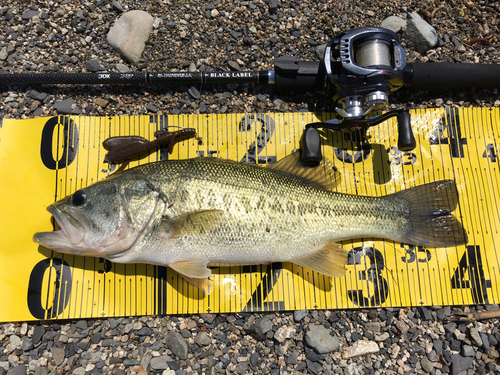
{"x": 79, "y": 197}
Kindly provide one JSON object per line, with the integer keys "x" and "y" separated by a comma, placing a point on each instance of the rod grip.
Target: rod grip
{"x": 452, "y": 75}
{"x": 73, "y": 78}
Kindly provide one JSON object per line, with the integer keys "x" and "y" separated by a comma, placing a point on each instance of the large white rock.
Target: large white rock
{"x": 130, "y": 33}
{"x": 394, "y": 23}
{"x": 423, "y": 36}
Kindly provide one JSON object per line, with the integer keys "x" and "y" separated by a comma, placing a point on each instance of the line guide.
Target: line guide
{"x": 45, "y": 159}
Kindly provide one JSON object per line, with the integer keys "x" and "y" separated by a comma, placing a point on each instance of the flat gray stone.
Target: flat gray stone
{"x": 151, "y": 108}
{"x": 130, "y": 33}
{"x": 18, "y": 370}
{"x": 474, "y": 334}
{"x": 177, "y": 344}
{"x": 27, "y": 344}
{"x": 131, "y": 362}
{"x": 468, "y": 351}
{"x": 58, "y": 355}
{"x": 460, "y": 364}
{"x": 273, "y": 5}
{"x": 122, "y": 68}
{"x": 382, "y": 336}
{"x": 15, "y": 341}
{"x": 64, "y": 106}
{"x": 394, "y": 23}
{"x": 241, "y": 367}
{"x": 426, "y": 364}
{"x": 263, "y": 325}
{"x": 373, "y": 326}
{"x": 202, "y": 339}
{"x": 160, "y": 363}
{"x": 320, "y": 50}
{"x": 299, "y": 314}
{"x": 30, "y": 14}
{"x": 38, "y": 96}
{"x": 432, "y": 356}
{"x": 442, "y": 313}
{"x": 41, "y": 371}
{"x": 423, "y": 36}
{"x": 318, "y": 337}
{"x": 93, "y": 66}
{"x": 208, "y": 318}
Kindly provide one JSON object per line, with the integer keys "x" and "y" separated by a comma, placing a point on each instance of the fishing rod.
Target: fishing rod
{"x": 359, "y": 69}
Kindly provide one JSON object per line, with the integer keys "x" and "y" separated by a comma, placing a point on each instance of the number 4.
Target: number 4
{"x": 471, "y": 266}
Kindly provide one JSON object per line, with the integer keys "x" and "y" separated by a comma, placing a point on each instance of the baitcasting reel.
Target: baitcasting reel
{"x": 361, "y": 67}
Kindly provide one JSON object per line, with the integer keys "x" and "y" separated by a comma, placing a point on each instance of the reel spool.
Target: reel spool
{"x": 371, "y": 66}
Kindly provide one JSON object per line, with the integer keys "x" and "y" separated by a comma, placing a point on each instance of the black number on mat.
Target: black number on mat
{"x": 423, "y": 255}
{"x": 267, "y": 128}
{"x": 58, "y": 290}
{"x": 379, "y": 284}
{"x": 471, "y": 267}
{"x": 398, "y": 157}
{"x": 70, "y": 145}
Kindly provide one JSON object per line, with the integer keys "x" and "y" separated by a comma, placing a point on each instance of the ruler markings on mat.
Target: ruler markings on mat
{"x": 64, "y": 153}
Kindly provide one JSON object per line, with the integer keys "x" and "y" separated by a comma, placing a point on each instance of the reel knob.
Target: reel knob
{"x": 310, "y": 144}
{"x": 406, "y": 140}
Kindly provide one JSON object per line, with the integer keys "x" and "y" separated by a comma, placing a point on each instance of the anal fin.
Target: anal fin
{"x": 328, "y": 260}
{"x": 196, "y": 268}
{"x": 195, "y": 272}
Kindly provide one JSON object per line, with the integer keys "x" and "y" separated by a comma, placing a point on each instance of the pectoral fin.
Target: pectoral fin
{"x": 329, "y": 260}
{"x": 192, "y": 223}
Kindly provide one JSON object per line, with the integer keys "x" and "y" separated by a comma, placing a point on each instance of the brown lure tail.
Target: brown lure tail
{"x": 164, "y": 137}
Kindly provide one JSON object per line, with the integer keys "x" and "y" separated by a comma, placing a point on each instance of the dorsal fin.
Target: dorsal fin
{"x": 325, "y": 174}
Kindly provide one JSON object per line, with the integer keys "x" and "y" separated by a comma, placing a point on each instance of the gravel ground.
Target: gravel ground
{"x": 223, "y": 35}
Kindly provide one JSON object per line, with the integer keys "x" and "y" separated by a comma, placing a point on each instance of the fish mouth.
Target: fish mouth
{"x": 68, "y": 238}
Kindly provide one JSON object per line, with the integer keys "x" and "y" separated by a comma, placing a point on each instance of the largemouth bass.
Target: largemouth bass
{"x": 193, "y": 214}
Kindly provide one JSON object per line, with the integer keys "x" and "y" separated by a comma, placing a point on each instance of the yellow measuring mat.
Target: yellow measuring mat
{"x": 45, "y": 159}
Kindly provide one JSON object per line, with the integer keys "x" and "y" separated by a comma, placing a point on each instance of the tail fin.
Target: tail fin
{"x": 431, "y": 222}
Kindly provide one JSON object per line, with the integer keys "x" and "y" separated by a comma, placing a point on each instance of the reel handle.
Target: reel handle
{"x": 310, "y": 145}
{"x": 406, "y": 140}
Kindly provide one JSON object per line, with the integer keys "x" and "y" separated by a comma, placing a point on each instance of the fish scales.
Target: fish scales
{"x": 252, "y": 230}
